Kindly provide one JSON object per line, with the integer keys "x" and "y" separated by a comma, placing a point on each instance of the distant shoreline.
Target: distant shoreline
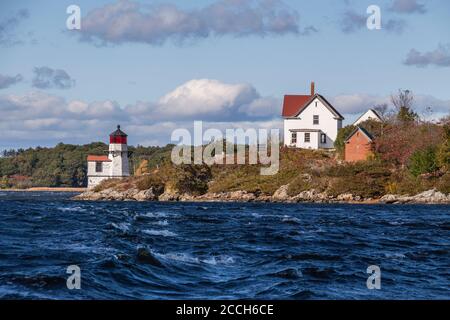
{"x": 46, "y": 189}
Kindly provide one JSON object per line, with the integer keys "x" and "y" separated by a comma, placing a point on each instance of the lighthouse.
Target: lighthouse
{"x": 114, "y": 165}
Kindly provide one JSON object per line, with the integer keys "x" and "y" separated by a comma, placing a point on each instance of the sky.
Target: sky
{"x": 156, "y": 66}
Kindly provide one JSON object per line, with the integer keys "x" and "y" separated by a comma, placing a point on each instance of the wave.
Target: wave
{"x": 162, "y": 223}
{"x": 191, "y": 259}
{"x": 290, "y": 220}
{"x": 289, "y": 273}
{"x": 71, "y": 209}
{"x": 164, "y": 233}
{"x": 158, "y": 214}
{"x": 122, "y": 226}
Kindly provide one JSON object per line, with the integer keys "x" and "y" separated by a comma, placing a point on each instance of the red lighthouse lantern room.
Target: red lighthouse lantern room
{"x": 118, "y": 136}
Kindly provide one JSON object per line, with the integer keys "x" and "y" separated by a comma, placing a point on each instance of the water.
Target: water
{"x": 134, "y": 250}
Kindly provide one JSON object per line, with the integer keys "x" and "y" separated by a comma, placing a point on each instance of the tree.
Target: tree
{"x": 342, "y": 135}
{"x": 403, "y": 104}
{"x": 443, "y": 151}
{"x": 423, "y": 161}
{"x": 382, "y": 110}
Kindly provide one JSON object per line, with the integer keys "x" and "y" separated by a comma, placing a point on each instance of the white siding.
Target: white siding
{"x": 366, "y": 116}
{"x": 118, "y": 154}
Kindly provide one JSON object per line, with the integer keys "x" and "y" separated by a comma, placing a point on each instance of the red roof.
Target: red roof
{"x": 293, "y": 104}
{"x": 98, "y": 158}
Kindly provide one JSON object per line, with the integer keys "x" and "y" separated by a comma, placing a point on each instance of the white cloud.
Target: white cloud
{"x": 207, "y": 98}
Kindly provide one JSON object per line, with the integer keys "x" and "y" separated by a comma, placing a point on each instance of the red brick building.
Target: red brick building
{"x": 358, "y": 146}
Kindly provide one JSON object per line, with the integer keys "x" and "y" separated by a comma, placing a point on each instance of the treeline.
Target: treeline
{"x": 63, "y": 165}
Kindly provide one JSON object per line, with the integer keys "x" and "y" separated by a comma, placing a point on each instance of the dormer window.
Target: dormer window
{"x": 316, "y": 120}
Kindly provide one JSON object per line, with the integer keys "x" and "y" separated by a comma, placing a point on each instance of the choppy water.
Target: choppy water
{"x": 133, "y": 250}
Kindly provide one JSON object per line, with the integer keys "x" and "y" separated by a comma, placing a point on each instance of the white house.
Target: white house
{"x": 369, "y": 114}
{"x": 310, "y": 121}
{"x": 113, "y": 165}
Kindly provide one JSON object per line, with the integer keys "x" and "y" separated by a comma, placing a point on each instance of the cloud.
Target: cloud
{"x": 48, "y": 78}
{"x": 408, "y": 7}
{"x": 359, "y": 103}
{"x": 39, "y": 118}
{"x": 8, "y": 28}
{"x": 128, "y": 21}
{"x": 353, "y": 22}
{"x": 7, "y": 81}
{"x": 439, "y": 57}
{"x": 210, "y": 100}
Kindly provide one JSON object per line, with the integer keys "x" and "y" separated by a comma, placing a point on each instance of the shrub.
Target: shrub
{"x": 191, "y": 179}
{"x": 150, "y": 181}
{"x": 299, "y": 185}
{"x": 444, "y": 183}
{"x": 365, "y": 179}
{"x": 106, "y": 184}
{"x": 423, "y": 161}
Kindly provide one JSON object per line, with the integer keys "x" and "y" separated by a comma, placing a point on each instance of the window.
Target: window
{"x": 316, "y": 120}
{"x": 316, "y": 103}
{"x": 323, "y": 138}
{"x": 307, "y": 137}
{"x": 294, "y": 138}
{"x": 99, "y": 166}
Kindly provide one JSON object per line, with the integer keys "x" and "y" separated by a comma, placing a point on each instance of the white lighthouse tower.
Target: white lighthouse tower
{"x": 114, "y": 165}
{"x": 118, "y": 154}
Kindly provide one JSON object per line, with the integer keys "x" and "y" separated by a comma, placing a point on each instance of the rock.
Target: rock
{"x": 308, "y": 195}
{"x": 145, "y": 195}
{"x": 144, "y": 255}
{"x": 389, "y": 198}
{"x": 281, "y": 194}
{"x": 243, "y": 196}
{"x": 345, "y": 197}
{"x": 431, "y": 196}
{"x": 169, "y": 196}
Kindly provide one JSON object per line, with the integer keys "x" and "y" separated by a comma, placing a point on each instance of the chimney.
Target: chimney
{"x": 313, "y": 91}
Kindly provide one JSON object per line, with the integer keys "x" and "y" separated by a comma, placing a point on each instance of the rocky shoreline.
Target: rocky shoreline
{"x": 280, "y": 196}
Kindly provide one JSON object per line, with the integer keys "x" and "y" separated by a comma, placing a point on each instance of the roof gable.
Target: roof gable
{"x": 369, "y": 112}
{"x": 360, "y": 129}
{"x": 324, "y": 101}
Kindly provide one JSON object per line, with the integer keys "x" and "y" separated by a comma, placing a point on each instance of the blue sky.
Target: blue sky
{"x": 47, "y": 71}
